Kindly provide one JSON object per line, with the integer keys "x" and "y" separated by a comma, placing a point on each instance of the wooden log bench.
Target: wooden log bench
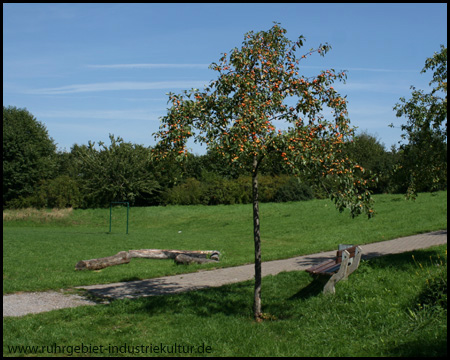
{"x": 346, "y": 261}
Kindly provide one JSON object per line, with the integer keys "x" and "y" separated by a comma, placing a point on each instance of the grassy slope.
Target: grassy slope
{"x": 41, "y": 254}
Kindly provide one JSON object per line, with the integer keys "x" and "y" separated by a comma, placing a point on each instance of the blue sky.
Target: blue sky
{"x": 88, "y": 70}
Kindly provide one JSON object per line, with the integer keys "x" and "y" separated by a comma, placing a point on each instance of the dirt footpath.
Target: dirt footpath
{"x": 26, "y": 303}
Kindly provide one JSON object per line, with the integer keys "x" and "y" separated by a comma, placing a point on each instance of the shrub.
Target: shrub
{"x": 21, "y": 202}
{"x": 215, "y": 190}
{"x": 434, "y": 291}
{"x": 294, "y": 190}
{"x": 61, "y": 192}
{"x": 188, "y": 193}
{"x": 269, "y": 186}
{"x": 221, "y": 191}
{"x": 244, "y": 196}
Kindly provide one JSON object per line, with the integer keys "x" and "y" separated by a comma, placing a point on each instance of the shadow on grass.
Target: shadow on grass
{"x": 403, "y": 261}
{"x": 161, "y": 296}
{"x": 226, "y": 300}
{"x": 133, "y": 278}
{"x": 234, "y": 300}
{"x": 398, "y": 262}
{"x": 420, "y": 348}
{"x": 313, "y": 289}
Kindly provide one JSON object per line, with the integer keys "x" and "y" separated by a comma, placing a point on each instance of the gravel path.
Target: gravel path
{"x": 35, "y": 302}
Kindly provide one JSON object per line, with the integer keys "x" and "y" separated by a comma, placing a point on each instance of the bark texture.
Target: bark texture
{"x": 170, "y": 254}
{"x": 257, "y": 240}
{"x": 186, "y": 260}
{"x": 96, "y": 264}
{"x": 124, "y": 257}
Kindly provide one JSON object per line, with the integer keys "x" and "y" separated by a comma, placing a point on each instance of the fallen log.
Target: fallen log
{"x": 171, "y": 254}
{"x": 186, "y": 260}
{"x": 122, "y": 257}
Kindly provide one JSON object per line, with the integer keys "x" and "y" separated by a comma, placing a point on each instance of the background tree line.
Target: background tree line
{"x": 36, "y": 174}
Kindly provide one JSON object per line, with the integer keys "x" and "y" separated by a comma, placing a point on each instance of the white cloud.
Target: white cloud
{"x": 149, "y": 66}
{"x": 115, "y": 86}
{"x": 136, "y": 114}
{"x": 387, "y": 87}
{"x": 205, "y": 66}
{"x": 363, "y": 69}
{"x": 382, "y": 70}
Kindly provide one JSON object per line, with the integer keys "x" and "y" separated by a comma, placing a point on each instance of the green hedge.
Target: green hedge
{"x": 215, "y": 190}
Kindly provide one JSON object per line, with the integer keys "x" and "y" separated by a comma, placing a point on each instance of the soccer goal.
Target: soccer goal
{"x": 110, "y": 212}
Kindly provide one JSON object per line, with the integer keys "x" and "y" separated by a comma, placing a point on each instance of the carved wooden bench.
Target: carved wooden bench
{"x": 347, "y": 260}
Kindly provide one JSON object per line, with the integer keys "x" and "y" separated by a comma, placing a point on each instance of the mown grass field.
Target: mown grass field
{"x": 42, "y": 248}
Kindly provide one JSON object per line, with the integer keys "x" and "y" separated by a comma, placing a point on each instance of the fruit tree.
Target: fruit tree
{"x": 260, "y": 104}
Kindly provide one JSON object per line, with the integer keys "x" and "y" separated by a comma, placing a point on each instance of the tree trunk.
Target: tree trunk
{"x": 96, "y": 264}
{"x": 171, "y": 254}
{"x": 257, "y": 240}
{"x": 124, "y": 257}
{"x": 186, "y": 260}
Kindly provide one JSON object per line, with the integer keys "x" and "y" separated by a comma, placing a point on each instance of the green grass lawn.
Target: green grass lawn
{"x": 40, "y": 252}
{"x": 375, "y": 313}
